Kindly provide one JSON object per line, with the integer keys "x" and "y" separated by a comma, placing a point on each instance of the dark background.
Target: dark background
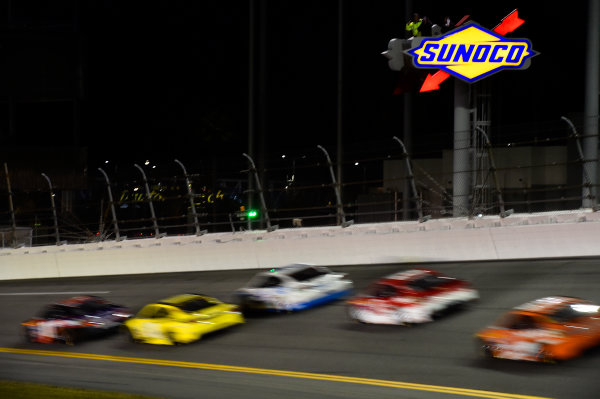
{"x": 107, "y": 83}
{"x": 170, "y": 79}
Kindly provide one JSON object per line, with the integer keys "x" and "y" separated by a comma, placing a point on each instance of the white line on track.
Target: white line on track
{"x": 54, "y": 293}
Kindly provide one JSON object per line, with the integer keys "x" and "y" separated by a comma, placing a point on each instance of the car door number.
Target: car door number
{"x": 152, "y": 330}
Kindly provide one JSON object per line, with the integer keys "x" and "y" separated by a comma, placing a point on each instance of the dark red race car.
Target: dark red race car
{"x": 409, "y": 297}
{"x": 73, "y": 319}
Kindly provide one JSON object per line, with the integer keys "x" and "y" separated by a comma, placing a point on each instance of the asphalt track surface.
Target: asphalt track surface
{"x": 318, "y": 353}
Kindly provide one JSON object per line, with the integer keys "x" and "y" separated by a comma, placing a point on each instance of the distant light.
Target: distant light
{"x": 105, "y": 161}
{"x": 355, "y": 163}
{"x": 135, "y": 189}
{"x": 153, "y": 166}
{"x": 283, "y": 156}
{"x": 147, "y": 162}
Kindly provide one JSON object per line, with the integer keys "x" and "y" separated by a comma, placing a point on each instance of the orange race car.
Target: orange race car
{"x": 544, "y": 330}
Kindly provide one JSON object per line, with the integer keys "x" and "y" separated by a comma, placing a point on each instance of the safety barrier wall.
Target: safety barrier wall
{"x": 569, "y": 234}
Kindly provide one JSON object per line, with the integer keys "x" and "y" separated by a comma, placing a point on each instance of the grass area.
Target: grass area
{"x": 27, "y": 390}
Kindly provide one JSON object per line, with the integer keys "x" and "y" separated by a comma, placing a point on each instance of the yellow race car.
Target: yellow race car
{"x": 181, "y": 319}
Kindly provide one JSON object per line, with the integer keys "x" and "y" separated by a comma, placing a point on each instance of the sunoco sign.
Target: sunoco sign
{"x": 472, "y": 52}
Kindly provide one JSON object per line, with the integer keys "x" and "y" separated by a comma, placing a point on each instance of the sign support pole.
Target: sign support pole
{"x": 461, "y": 180}
{"x": 590, "y": 115}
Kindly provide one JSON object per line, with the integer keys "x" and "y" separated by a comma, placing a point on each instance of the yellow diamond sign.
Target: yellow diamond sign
{"x": 472, "y": 52}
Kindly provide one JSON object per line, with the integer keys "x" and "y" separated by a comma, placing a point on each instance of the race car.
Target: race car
{"x": 293, "y": 288}
{"x": 410, "y": 297}
{"x": 181, "y": 319}
{"x": 548, "y": 329}
{"x": 72, "y": 319}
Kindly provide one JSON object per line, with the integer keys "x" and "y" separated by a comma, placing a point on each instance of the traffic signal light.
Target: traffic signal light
{"x": 395, "y": 53}
{"x": 252, "y": 213}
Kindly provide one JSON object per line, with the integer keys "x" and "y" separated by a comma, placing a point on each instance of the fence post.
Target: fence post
{"x": 53, "y": 209}
{"x": 112, "y": 206}
{"x": 12, "y": 208}
{"x": 586, "y": 192}
{"x": 260, "y": 194}
{"x": 488, "y": 145}
{"x": 149, "y": 197}
{"x": 191, "y": 196}
{"x": 340, "y": 208}
{"x": 411, "y": 177}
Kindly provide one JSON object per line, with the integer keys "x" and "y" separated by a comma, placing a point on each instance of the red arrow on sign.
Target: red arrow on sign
{"x": 507, "y": 25}
{"x": 432, "y": 82}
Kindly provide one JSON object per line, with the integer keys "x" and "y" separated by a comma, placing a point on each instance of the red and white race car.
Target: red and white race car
{"x": 409, "y": 297}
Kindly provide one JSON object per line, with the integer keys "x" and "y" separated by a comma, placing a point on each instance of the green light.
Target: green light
{"x": 252, "y": 213}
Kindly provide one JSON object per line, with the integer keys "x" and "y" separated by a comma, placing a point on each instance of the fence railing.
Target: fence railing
{"x": 299, "y": 190}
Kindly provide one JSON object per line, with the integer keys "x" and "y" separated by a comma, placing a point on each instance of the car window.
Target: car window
{"x": 427, "y": 282}
{"x": 381, "y": 290}
{"x": 265, "y": 282}
{"x": 161, "y": 313}
{"x": 516, "y": 321}
{"x": 55, "y": 312}
{"x": 147, "y": 312}
{"x": 307, "y": 274}
{"x": 195, "y": 304}
{"x": 91, "y": 307}
{"x": 573, "y": 311}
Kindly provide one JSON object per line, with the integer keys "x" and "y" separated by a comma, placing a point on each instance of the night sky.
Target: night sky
{"x": 169, "y": 79}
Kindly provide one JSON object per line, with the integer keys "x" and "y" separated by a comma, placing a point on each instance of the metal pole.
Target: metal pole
{"x": 340, "y": 92}
{"x": 407, "y": 117}
{"x": 340, "y": 209}
{"x": 488, "y": 144}
{"x": 53, "y": 209}
{"x": 462, "y": 149}
{"x": 12, "y": 209}
{"x": 251, "y": 94}
{"x": 260, "y": 193}
{"x": 154, "y": 223}
{"x": 191, "y": 195}
{"x": 587, "y": 200}
{"x": 112, "y": 206}
{"x": 411, "y": 177}
{"x": 262, "y": 92}
{"x": 407, "y": 136}
{"x": 592, "y": 90}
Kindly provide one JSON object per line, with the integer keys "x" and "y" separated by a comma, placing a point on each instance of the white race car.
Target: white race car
{"x": 294, "y": 287}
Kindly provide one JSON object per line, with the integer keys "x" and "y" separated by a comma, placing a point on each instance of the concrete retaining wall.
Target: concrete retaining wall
{"x": 569, "y": 234}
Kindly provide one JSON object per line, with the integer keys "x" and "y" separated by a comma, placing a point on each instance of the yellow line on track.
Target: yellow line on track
{"x": 281, "y": 373}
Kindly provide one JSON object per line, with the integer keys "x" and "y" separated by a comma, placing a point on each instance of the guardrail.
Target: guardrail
{"x": 568, "y": 234}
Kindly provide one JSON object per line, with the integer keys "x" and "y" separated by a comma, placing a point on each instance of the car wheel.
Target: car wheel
{"x": 485, "y": 349}
{"x": 29, "y": 334}
{"x": 129, "y": 335}
{"x": 171, "y": 337}
{"x": 67, "y": 336}
{"x": 545, "y": 355}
